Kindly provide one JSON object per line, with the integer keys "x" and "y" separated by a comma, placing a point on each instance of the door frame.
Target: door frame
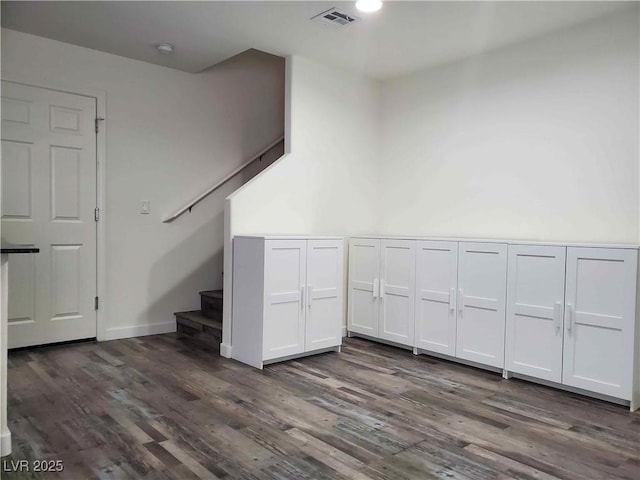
{"x": 100, "y": 97}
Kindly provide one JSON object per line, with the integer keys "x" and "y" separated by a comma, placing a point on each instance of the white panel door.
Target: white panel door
{"x": 48, "y": 200}
{"x": 284, "y": 284}
{"x": 364, "y": 271}
{"x": 324, "y": 294}
{"x": 436, "y": 289}
{"x": 397, "y": 291}
{"x": 599, "y": 320}
{"x": 535, "y": 304}
{"x": 482, "y": 277}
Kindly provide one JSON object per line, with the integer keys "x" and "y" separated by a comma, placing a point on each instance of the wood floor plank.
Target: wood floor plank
{"x": 165, "y": 408}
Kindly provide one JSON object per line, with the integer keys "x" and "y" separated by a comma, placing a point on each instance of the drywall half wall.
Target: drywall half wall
{"x": 170, "y": 136}
{"x": 538, "y": 140}
{"x": 326, "y": 183}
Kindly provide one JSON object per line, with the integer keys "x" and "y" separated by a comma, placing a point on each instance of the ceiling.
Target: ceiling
{"x": 400, "y": 38}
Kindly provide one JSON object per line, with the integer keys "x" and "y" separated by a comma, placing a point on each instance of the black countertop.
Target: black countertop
{"x": 6, "y": 247}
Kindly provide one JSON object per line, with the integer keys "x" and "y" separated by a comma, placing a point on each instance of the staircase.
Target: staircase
{"x": 206, "y": 322}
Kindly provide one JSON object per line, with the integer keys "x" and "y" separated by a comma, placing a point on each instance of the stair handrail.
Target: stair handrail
{"x": 210, "y": 190}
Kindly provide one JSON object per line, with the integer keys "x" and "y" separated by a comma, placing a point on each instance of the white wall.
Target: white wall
{"x": 535, "y": 141}
{"x": 326, "y": 184}
{"x": 170, "y": 135}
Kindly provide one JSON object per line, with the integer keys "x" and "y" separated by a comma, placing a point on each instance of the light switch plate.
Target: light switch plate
{"x": 145, "y": 207}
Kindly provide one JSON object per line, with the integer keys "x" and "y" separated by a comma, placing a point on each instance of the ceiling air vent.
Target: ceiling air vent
{"x": 335, "y": 17}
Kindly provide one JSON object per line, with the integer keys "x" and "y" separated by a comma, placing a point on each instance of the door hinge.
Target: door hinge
{"x": 98, "y": 120}
{"x": 96, "y": 214}
{"x": 95, "y": 303}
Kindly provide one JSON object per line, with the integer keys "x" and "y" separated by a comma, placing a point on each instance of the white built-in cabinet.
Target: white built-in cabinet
{"x": 482, "y": 280}
{"x": 558, "y": 313}
{"x": 287, "y": 297}
{"x": 535, "y": 304}
{"x": 396, "y": 291}
{"x": 461, "y": 300}
{"x": 571, "y": 316}
{"x": 599, "y": 320}
{"x": 564, "y": 314}
{"x": 382, "y": 289}
{"x": 436, "y": 294}
{"x": 285, "y": 279}
{"x": 324, "y": 294}
{"x": 364, "y": 277}
{"x": 442, "y": 297}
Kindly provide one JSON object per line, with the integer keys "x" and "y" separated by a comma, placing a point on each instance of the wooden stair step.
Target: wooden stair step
{"x": 212, "y": 294}
{"x": 197, "y": 320}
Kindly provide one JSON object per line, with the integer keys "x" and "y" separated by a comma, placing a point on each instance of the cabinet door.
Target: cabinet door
{"x": 397, "y": 291}
{"x": 482, "y": 277}
{"x": 599, "y": 320}
{"x": 325, "y": 270}
{"x": 436, "y": 282}
{"x": 284, "y": 281}
{"x": 364, "y": 270}
{"x": 535, "y": 302}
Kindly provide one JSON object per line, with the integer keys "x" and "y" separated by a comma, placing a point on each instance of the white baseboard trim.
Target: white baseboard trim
{"x": 139, "y": 330}
{"x": 225, "y": 350}
{"x": 5, "y": 443}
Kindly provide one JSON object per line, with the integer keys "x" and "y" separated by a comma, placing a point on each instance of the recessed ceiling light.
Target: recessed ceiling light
{"x": 165, "y": 48}
{"x": 369, "y": 5}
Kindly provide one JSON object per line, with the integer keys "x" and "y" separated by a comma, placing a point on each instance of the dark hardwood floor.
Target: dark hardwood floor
{"x": 165, "y": 408}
